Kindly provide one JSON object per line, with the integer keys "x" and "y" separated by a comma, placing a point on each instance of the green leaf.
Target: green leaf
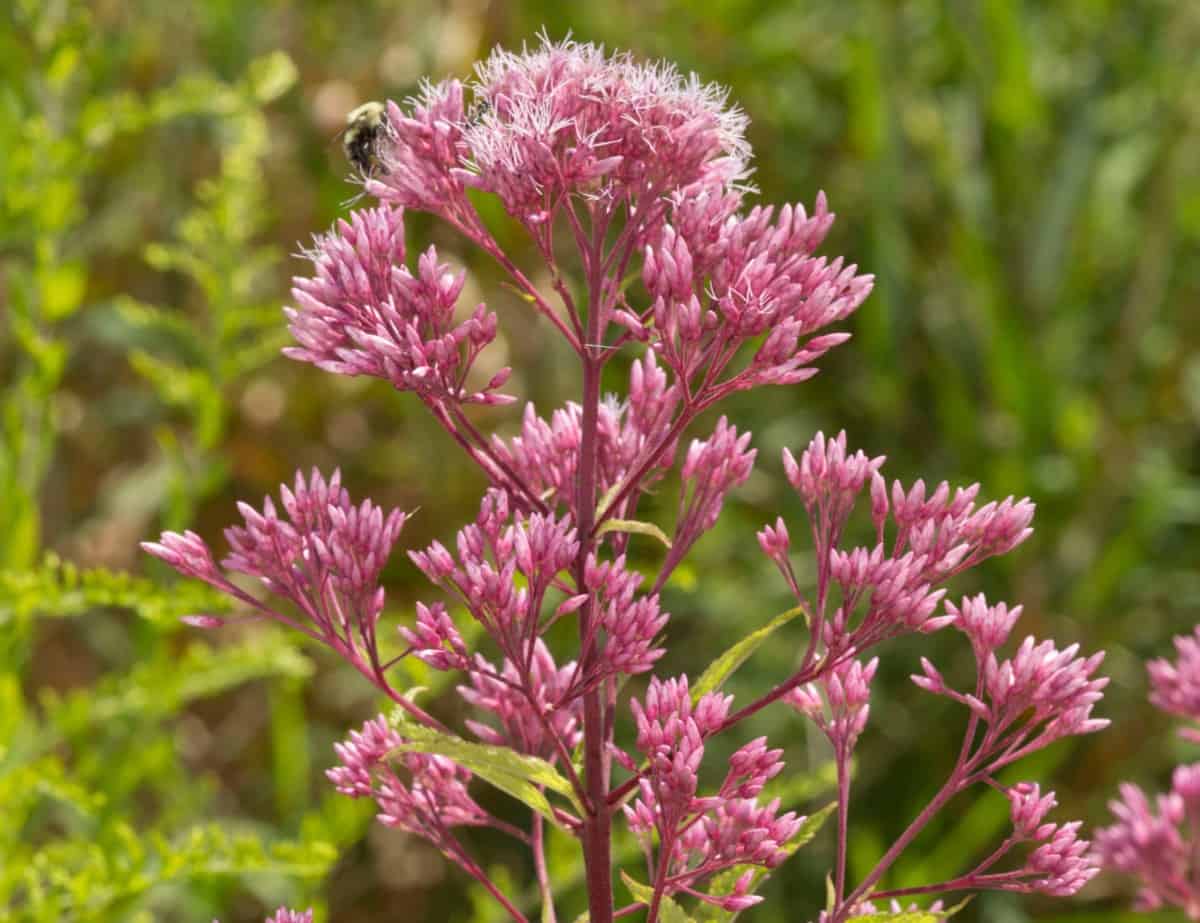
{"x": 62, "y": 289}
{"x": 668, "y": 910}
{"x": 58, "y": 589}
{"x": 809, "y": 829}
{"x": 957, "y": 908}
{"x": 81, "y": 880}
{"x": 607, "y": 499}
{"x": 523, "y": 777}
{"x": 634, "y": 525}
{"x": 271, "y": 76}
{"x": 520, "y": 293}
{"x": 724, "y": 666}
{"x": 910, "y": 916}
{"x": 157, "y": 688}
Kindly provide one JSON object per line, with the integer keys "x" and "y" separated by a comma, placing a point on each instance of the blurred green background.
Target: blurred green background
{"x": 1022, "y": 178}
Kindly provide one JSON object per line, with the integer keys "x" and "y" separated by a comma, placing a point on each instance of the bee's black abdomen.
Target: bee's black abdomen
{"x": 365, "y": 127}
{"x": 360, "y": 150}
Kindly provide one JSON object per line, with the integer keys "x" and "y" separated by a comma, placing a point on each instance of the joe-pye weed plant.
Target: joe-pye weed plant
{"x": 1158, "y": 843}
{"x": 621, "y": 171}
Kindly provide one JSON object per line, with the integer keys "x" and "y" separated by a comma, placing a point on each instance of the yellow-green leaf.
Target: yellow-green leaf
{"x": 634, "y": 525}
{"x": 62, "y": 289}
{"x": 523, "y": 777}
{"x": 668, "y": 910}
{"x": 910, "y": 916}
{"x": 607, "y": 499}
{"x": 271, "y": 76}
{"x": 724, "y": 666}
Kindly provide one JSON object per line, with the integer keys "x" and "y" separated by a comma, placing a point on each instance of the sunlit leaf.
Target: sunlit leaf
{"x": 668, "y": 910}
{"x": 910, "y": 916}
{"x": 521, "y": 776}
{"x": 636, "y": 526}
{"x": 725, "y": 665}
{"x": 271, "y": 76}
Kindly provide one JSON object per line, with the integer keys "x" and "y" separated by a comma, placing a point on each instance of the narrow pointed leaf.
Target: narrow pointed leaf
{"x": 911, "y": 916}
{"x": 516, "y": 774}
{"x": 668, "y": 910}
{"x": 724, "y": 666}
{"x": 606, "y": 500}
{"x": 634, "y": 525}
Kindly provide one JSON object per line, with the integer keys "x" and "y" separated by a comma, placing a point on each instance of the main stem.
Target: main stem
{"x": 597, "y": 824}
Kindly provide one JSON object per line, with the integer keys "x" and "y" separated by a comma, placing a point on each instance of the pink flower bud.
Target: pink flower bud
{"x": 284, "y": 915}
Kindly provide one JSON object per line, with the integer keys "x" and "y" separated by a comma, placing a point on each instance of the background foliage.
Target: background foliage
{"x": 1023, "y": 178}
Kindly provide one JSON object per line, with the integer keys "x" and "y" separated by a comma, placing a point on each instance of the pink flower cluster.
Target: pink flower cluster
{"x": 839, "y": 703}
{"x": 495, "y": 553}
{"x": 432, "y": 801}
{"x": 867, "y": 594}
{"x": 1059, "y": 865}
{"x": 545, "y": 454}
{"x": 1158, "y": 843}
{"x": 533, "y": 702}
{"x": 492, "y": 551}
{"x": 1027, "y": 701}
{"x": 365, "y": 313}
{"x": 885, "y": 589}
{"x": 1175, "y": 687}
{"x": 644, "y": 172}
{"x": 323, "y": 557}
{"x": 1155, "y": 843}
{"x": 719, "y": 280}
{"x": 697, "y": 835}
{"x": 560, "y": 121}
{"x": 283, "y": 915}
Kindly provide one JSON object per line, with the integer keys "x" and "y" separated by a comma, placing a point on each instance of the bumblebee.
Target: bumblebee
{"x": 365, "y": 126}
{"x": 478, "y": 110}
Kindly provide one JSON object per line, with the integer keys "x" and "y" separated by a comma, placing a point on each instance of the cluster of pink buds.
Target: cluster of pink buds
{"x": 535, "y": 723}
{"x": 283, "y": 915}
{"x": 697, "y": 835}
{"x": 633, "y": 623}
{"x": 1161, "y": 848}
{"x": 839, "y": 702}
{"x": 1157, "y": 847}
{"x": 867, "y": 594}
{"x": 434, "y": 798}
{"x": 713, "y": 467}
{"x": 492, "y": 551}
{"x": 1175, "y": 686}
{"x": 620, "y": 171}
{"x": 365, "y": 313}
{"x": 1025, "y": 702}
{"x": 1059, "y": 864}
{"x": 884, "y": 590}
{"x": 545, "y": 455}
{"x": 322, "y": 559}
{"x": 757, "y": 276}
